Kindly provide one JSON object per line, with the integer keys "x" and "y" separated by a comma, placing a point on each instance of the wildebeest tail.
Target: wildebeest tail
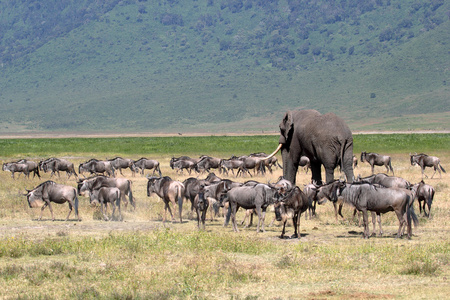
{"x": 130, "y": 194}
{"x": 180, "y": 201}
{"x": 390, "y": 167}
{"x": 76, "y": 205}
{"x": 443, "y": 170}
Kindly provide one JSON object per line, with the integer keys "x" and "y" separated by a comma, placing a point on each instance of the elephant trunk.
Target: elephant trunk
{"x": 289, "y": 167}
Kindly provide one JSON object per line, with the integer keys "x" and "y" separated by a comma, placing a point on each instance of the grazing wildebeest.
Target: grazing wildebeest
{"x": 257, "y": 197}
{"x": 106, "y": 195}
{"x": 234, "y": 163}
{"x": 14, "y": 167}
{"x": 424, "y": 161}
{"x": 425, "y": 193}
{"x": 96, "y": 182}
{"x": 58, "y": 164}
{"x": 97, "y": 167}
{"x": 50, "y": 191}
{"x": 386, "y": 181}
{"x": 169, "y": 191}
{"x": 297, "y": 201}
{"x": 144, "y": 163}
{"x": 120, "y": 163}
{"x": 32, "y": 167}
{"x": 367, "y": 197}
{"x": 206, "y": 163}
{"x": 375, "y": 159}
{"x": 201, "y": 206}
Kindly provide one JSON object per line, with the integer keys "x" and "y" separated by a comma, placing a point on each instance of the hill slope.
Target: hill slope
{"x": 218, "y": 66}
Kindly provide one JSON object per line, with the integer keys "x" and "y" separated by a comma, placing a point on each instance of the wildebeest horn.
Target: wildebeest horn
{"x": 274, "y": 152}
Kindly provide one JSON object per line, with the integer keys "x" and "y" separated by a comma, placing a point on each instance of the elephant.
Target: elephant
{"x": 325, "y": 139}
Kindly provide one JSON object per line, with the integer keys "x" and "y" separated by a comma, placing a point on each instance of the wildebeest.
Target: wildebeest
{"x": 215, "y": 192}
{"x": 32, "y": 166}
{"x": 367, "y": 197}
{"x": 58, "y": 164}
{"x": 179, "y": 164}
{"x": 106, "y": 195}
{"x": 170, "y": 191}
{"x": 206, "y": 163}
{"x": 97, "y": 167}
{"x": 201, "y": 206}
{"x": 15, "y": 167}
{"x": 257, "y": 197}
{"x": 297, "y": 201}
{"x": 269, "y": 163}
{"x": 232, "y": 164}
{"x": 386, "y": 181}
{"x": 120, "y": 163}
{"x": 424, "y": 161}
{"x": 96, "y": 182}
{"x": 50, "y": 191}
{"x": 425, "y": 193}
{"x": 191, "y": 189}
{"x": 144, "y": 163}
{"x": 255, "y": 163}
{"x": 375, "y": 159}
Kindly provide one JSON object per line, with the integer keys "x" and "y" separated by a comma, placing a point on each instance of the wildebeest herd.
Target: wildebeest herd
{"x": 377, "y": 193}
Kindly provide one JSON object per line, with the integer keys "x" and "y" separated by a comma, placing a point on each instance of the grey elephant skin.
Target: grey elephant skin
{"x": 325, "y": 139}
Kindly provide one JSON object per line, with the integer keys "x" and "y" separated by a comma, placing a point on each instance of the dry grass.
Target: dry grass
{"x": 142, "y": 258}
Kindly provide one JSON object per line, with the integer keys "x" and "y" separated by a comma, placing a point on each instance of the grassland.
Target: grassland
{"x": 140, "y": 258}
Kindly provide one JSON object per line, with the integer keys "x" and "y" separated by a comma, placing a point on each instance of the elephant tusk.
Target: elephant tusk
{"x": 274, "y": 152}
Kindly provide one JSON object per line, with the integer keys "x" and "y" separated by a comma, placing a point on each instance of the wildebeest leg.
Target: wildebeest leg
{"x": 262, "y": 219}
{"x": 379, "y": 223}
{"x": 372, "y": 167}
{"x": 284, "y": 227}
{"x": 436, "y": 168}
{"x": 420, "y": 206}
{"x": 120, "y": 211}
{"x": 296, "y": 221}
{"x": 42, "y": 210}
{"x": 103, "y": 207}
{"x": 366, "y": 224}
{"x": 234, "y": 208}
{"x": 374, "y": 217}
{"x": 49, "y": 207}
{"x": 402, "y": 220}
{"x": 70, "y": 209}
{"x": 197, "y": 210}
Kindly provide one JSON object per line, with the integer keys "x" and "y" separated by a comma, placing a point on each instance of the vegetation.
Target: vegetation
{"x": 211, "y": 145}
{"x": 221, "y": 65}
{"x": 141, "y": 258}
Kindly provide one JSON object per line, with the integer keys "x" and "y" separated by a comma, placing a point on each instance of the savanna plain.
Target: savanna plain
{"x": 142, "y": 258}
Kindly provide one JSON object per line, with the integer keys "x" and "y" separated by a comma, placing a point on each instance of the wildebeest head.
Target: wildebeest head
{"x": 331, "y": 190}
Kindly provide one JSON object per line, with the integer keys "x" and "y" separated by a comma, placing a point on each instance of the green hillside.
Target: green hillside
{"x": 222, "y": 66}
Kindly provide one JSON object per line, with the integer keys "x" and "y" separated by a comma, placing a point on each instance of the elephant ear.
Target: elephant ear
{"x": 286, "y": 127}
